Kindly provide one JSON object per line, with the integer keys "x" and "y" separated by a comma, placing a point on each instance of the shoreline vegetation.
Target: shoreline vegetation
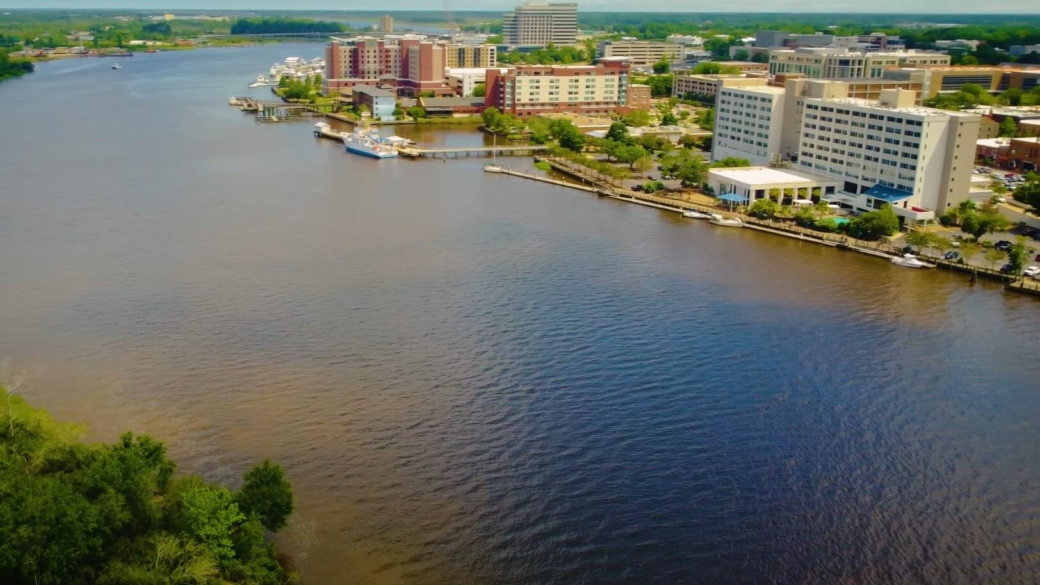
{"x": 117, "y": 514}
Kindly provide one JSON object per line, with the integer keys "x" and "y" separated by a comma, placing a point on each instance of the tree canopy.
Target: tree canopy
{"x": 78, "y": 514}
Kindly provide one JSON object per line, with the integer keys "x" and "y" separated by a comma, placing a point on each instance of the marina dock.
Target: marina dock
{"x": 415, "y": 152}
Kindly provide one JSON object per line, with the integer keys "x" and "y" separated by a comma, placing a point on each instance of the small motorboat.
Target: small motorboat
{"x": 234, "y": 102}
{"x": 717, "y": 219}
{"x": 492, "y": 168}
{"x": 909, "y": 261}
{"x": 693, "y": 214}
{"x": 116, "y": 66}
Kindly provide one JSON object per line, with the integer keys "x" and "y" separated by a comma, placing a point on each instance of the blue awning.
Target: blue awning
{"x": 887, "y": 193}
{"x": 732, "y": 198}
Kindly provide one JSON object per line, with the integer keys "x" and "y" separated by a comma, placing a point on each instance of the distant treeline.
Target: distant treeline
{"x": 260, "y": 26}
{"x": 13, "y": 67}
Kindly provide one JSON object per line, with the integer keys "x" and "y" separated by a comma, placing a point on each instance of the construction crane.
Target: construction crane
{"x": 451, "y": 20}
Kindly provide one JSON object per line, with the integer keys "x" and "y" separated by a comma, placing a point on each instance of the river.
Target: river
{"x": 479, "y": 379}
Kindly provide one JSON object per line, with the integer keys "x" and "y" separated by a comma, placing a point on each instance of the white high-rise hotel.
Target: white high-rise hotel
{"x": 541, "y": 24}
{"x": 918, "y": 160}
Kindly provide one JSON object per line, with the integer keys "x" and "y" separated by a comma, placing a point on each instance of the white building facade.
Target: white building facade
{"x": 748, "y": 122}
{"x": 541, "y": 24}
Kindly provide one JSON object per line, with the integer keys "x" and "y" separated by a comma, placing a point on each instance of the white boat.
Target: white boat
{"x": 116, "y": 66}
{"x": 493, "y": 167}
{"x": 234, "y": 102}
{"x": 693, "y": 214}
{"x": 367, "y": 143}
{"x": 725, "y": 221}
{"x": 909, "y": 261}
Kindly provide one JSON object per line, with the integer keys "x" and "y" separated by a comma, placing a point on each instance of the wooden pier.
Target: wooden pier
{"x": 528, "y": 150}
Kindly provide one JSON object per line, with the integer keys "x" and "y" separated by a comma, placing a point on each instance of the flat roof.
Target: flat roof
{"x": 917, "y": 110}
{"x": 373, "y": 91}
{"x": 993, "y": 142}
{"x": 769, "y": 175}
{"x": 451, "y": 102}
{"x": 756, "y": 89}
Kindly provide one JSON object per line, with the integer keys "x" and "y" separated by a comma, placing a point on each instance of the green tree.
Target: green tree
{"x": 775, "y": 194}
{"x": 969, "y": 250}
{"x": 981, "y": 223}
{"x": 209, "y": 515}
{"x": 731, "y": 162}
{"x": 1018, "y": 255}
{"x": 662, "y": 66}
{"x": 637, "y": 119}
{"x": 706, "y": 119}
{"x": 479, "y": 90}
{"x": 993, "y": 256}
{"x": 876, "y": 224}
{"x": 1029, "y": 192}
{"x": 629, "y": 154}
{"x": 267, "y": 494}
{"x": 416, "y": 112}
{"x": 742, "y": 55}
{"x": 1007, "y": 127}
{"x": 764, "y": 209}
{"x": 618, "y": 132}
{"x": 919, "y": 240}
{"x": 669, "y": 120}
{"x": 490, "y": 117}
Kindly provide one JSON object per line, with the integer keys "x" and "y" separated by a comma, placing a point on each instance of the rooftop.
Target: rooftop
{"x": 993, "y": 142}
{"x": 769, "y": 176}
{"x": 914, "y": 110}
{"x": 373, "y": 91}
{"x": 451, "y": 102}
{"x": 757, "y": 89}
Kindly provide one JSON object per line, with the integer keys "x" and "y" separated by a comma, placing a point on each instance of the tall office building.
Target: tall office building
{"x": 541, "y": 24}
{"x": 386, "y": 23}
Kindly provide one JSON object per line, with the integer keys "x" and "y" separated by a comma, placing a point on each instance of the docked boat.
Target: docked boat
{"x": 717, "y": 219}
{"x": 909, "y": 261}
{"x": 367, "y": 143}
{"x": 694, "y": 214}
{"x": 491, "y": 168}
{"x": 234, "y": 102}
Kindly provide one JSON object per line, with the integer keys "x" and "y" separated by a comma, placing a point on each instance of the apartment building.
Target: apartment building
{"x": 842, "y": 63}
{"x": 409, "y": 63}
{"x": 537, "y": 89}
{"x": 640, "y": 52}
{"x": 537, "y": 25}
{"x": 386, "y": 23}
{"x": 889, "y": 150}
{"x": 470, "y": 56}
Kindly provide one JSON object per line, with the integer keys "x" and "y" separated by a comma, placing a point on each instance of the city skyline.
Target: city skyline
{"x": 937, "y": 7}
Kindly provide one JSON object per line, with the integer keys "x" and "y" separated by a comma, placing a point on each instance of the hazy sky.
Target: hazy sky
{"x": 891, "y": 6}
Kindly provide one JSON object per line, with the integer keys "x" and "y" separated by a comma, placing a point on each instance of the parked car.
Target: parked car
{"x": 1007, "y": 268}
{"x": 1001, "y": 199}
{"x": 1031, "y": 271}
{"x": 952, "y": 255}
{"x": 1002, "y": 245}
{"x": 637, "y": 188}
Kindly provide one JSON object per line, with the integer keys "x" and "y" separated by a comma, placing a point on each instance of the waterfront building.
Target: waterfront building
{"x": 386, "y": 23}
{"x": 640, "y": 52}
{"x": 411, "y": 63}
{"x": 841, "y": 62}
{"x": 380, "y": 102}
{"x": 451, "y": 107}
{"x": 537, "y": 89}
{"x": 457, "y": 55}
{"x": 537, "y": 25}
{"x": 748, "y": 121}
{"x": 884, "y": 151}
{"x": 754, "y": 183}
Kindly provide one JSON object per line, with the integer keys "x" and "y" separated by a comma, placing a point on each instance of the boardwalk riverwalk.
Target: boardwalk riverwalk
{"x": 527, "y": 150}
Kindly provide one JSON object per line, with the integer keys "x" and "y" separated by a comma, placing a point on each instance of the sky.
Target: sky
{"x": 832, "y": 6}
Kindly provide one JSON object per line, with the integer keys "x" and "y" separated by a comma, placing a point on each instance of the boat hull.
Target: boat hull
{"x": 364, "y": 152}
